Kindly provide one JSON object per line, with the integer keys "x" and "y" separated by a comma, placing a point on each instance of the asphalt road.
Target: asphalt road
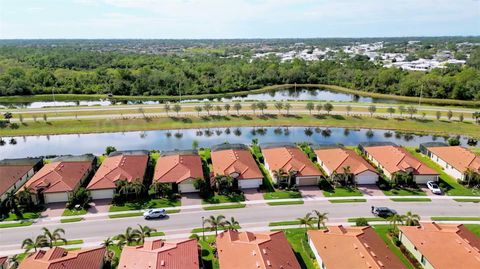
{"x": 260, "y": 215}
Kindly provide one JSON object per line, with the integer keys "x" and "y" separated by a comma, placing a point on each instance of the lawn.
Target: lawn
{"x": 219, "y": 199}
{"x": 455, "y": 218}
{"x": 404, "y": 192}
{"x": 411, "y": 199}
{"x": 347, "y": 201}
{"x": 26, "y": 215}
{"x": 71, "y": 220}
{"x": 154, "y": 203}
{"x": 219, "y": 207}
{"x": 73, "y": 212}
{"x": 284, "y": 223}
{"x": 342, "y": 192}
{"x": 207, "y": 252}
{"x": 475, "y": 228}
{"x": 367, "y": 219}
{"x": 450, "y": 185}
{"x": 125, "y": 215}
{"x": 281, "y": 194}
{"x": 69, "y": 242}
{"x": 467, "y": 200}
{"x": 298, "y": 240}
{"x": 18, "y": 224}
{"x": 157, "y": 234}
{"x": 382, "y": 231}
{"x": 286, "y": 203}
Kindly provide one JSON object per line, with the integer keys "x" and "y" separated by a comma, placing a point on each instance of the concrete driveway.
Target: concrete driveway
{"x": 99, "y": 206}
{"x": 54, "y": 210}
{"x": 310, "y": 191}
{"x": 252, "y": 195}
{"x": 190, "y": 199}
{"x": 370, "y": 190}
{"x": 428, "y": 191}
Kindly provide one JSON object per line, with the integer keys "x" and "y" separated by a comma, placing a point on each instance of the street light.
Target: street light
{"x": 203, "y": 228}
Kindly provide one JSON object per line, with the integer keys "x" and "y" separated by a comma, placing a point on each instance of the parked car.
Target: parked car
{"x": 155, "y": 213}
{"x": 434, "y": 187}
{"x": 383, "y": 212}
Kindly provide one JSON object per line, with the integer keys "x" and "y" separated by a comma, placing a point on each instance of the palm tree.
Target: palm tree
{"x": 306, "y": 221}
{"x": 136, "y": 187}
{"x": 291, "y": 177}
{"x": 25, "y": 196}
{"x": 470, "y": 175}
{"x": 347, "y": 175}
{"x": 144, "y": 232}
{"x": 232, "y": 224}
{"x": 12, "y": 201}
{"x": 54, "y": 236}
{"x": 321, "y": 218}
{"x": 279, "y": 175}
{"x": 215, "y": 222}
{"x": 39, "y": 242}
{"x": 129, "y": 237}
{"x": 411, "y": 219}
{"x": 123, "y": 187}
{"x": 107, "y": 242}
{"x": 395, "y": 220}
{"x": 14, "y": 262}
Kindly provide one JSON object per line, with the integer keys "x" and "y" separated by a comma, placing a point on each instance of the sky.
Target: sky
{"x": 152, "y": 19}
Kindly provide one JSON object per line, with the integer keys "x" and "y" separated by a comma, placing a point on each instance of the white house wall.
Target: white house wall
{"x": 411, "y": 247}
{"x": 447, "y": 168}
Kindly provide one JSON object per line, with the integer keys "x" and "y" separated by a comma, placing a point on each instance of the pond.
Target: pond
{"x": 282, "y": 94}
{"x": 32, "y": 146}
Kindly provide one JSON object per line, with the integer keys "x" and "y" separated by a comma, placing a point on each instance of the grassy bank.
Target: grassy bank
{"x": 86, "y": 97}
{"x": 140, "y": 124}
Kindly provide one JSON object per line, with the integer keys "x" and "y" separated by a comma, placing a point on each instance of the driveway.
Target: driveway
{"x": 190, "y": 199}
{"x": 370, "y": 190}
{"x": 427, "y": 190}
{"x": 54, "y": 210}
{"x": 310, "y": 191}
{"x": 99, "y": 206}
{"x": 252, "y": 195}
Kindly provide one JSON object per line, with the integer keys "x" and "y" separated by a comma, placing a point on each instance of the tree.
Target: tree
{"x": 11, "y": 202}
{"x": 161, "y": 189}
{"x": 45, "y": 117}
{"x": 8, "y": 115}
{"x": 253, "y": 107}
{"x": 232, "y": 224}
{"x": 278, "y": 106}
{"x": 262, "y": 106}
{"x": 109, "y": 149}
{"x": 287, "y": 106}
{"x": 137, "y": 187}
{"x": 438, "y": 115}
{"x": 14, "y": 262}
{"x": 321, "y": 218}
{"x": 411, "y": 110}
{"x": 411, "y": 219}
{"x": 449, "y": 114}
{"x": 130, "y": 237}
{"x": 310, "y": 106}
{"x": 194, "y": 144}
{"x": 391, "y": 111}
{"x": 460, "y": 117}
{"x": 237, "y": 106}
{"x": 39, "y": 242}
{"x": 227, "y": 108}
{"x": 453, "y": 141}
{"x": 319, "y": 108}
{"x": 215, "y": 222}
{"x": 52, "y": 237}
{"x": 198, "y": 109}
{"x": 25, "y": 197}
{"x": 79, "y": 197}
{"x": 280, "y": 175}
{"x": 167, "y": 108}
{"x": 372, "y": 109}
{"x": 328, "y": 107}
{"x": 144, "y": 232}
{"x": 207, "y": 107}
{"x": 476, "y": 116}
{"x": 402, "y": 110}
{"x": 395, "y": 220}
{"x": 218, "y": 109}
{"x": 109, "y": 254}
{"x": 306, "y": 221}
{"x": 348, "y": 108}
{"x": 177, "y": 108}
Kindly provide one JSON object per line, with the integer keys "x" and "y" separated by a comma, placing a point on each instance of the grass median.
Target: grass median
{"x": 284, "y": 223}
{"x": 71, "y": 220}
{"x": 16, "y": 224}
{"x": 219, "y": 207}
{"x": 455, "y": 218}
{"x": 411, "y": 199}
{"x": 340, "y": 201}
{"x": 285, "y": 203}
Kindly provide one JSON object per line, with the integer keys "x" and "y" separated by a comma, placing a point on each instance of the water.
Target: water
{"x": 32, "y": 146}
{"x": 283, "y": 94}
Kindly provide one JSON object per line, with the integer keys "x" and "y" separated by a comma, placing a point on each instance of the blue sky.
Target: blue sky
{"x": 236, "y": 18}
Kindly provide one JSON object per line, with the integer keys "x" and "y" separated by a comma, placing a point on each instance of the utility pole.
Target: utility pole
{"x": 203, "y": 228}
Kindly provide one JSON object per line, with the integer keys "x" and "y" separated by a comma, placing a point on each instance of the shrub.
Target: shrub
{"x": 361, "y": 222}
{"x": 453, "y": 141}
{"x": 194, "y": 236}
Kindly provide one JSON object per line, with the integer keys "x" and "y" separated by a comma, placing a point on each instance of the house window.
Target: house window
{"x": 423, "y": 260}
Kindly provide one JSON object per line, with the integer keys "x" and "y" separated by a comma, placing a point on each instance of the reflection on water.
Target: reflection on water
{"x": 283, "y": 94}
{"x": 11, "y": 147}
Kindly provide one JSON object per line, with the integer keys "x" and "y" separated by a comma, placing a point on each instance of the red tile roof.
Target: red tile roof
{"x": 395, "y": 159}
{"x": 230, "y": 161}
{"x": 178, "y": 168}
{"x": 445, "y": 246}
{"x": 240, "y": 250}
{"x": 3, "y": 260}
{"x": 59, "y": 258}
{"x": 335, "y": 159}
{"x": 458, "y": 157}
{"x": 290, "y": 159}
{"x": 353, "y": 247}
{"x": 120, "y": 167}
{"x": 158, "y": 254}
{"x": 10, "y": 174}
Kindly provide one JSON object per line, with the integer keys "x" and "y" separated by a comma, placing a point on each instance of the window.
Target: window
{"x": 423, "y": 260}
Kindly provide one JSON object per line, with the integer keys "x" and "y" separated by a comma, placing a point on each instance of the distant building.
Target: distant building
{"x": 442, "y": 246}
{"x": 242, "y": 250}
{"x": 120, "y": 165}
{"x": 58, "y": 257}
{"x": 351, "y": 247}
{"x": 14, "y": 173}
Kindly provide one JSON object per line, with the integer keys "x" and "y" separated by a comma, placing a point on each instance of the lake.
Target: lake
{"x": 31, "y": 146}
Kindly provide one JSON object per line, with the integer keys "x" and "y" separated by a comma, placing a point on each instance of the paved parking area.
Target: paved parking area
{"x": 99, "y": 206}
{"x": 54, "y": 210}
{"x": 370, "y": 190}
{"x": 310, "y": 191}
{"x": 252, "y": 195}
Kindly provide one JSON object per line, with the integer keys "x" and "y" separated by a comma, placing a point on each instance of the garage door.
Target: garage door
{"x": 367, "y": 177}
{"x": 249, "y": 183}
{"x": 56, "y": 197}
{"x": 307, "y": 181}
{"x": 102, "y": 194}
{"x": 186, "y": 188}
{"x": 423, "y": 179}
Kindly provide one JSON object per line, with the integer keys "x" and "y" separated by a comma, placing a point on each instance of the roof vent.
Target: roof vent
{"x": 162, "y": 263}
{"x": 258, "y": 264}
{"x": 254, "y": 253}
{"x": 381, "y": 264}
{"x": 264, "y": 251}
{"x": 269, "y": 263}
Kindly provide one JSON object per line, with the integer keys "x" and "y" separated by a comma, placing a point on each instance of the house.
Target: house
{"x": 289, "y": 158}
{"x": 4, "y": 262}
{"x": 119, "y": 165}
{"x": 338, "y": 160}
{"x": 58, "y": 257}
{"x": 57, "y": 180}
{"x": 442, "y": 246}
{"x": 236, "y": 160}
{"x": 179, "y": 168}
{"x": 351, "y": 247}
{"x": 393, "y": 159}
{"x": 159, "y": 254}
{"x": 14, "y": 173}
{"x": 455, "y": 160}
{"x": 240, "y": 250}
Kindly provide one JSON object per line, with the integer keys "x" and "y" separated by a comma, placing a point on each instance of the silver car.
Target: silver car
{"x": 433, "y": 186}
{"x": 155, "y": 213}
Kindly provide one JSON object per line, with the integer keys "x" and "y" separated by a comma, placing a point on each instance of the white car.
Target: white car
{"x": 155, "y": 213}
{"x": 434, "y": 187}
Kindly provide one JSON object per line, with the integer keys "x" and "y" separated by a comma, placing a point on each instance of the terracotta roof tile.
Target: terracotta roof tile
{"x": 353, "y": 247}
{"x": 178, "y": 168}
{"x": 3, "y": 260}
{"x": 11, "y": 174}
{"x": 458, "y": 157}
{"x": 445, "y": 246}
{"x": 59, "y": 258}
{"x": 335, "y": 159}
{"x": 119, "y": 167}
{"x": 395, "y": 159}
{"x": 240, "y": 250}
{"x": 290, "y": 159}
{"x": 229, "y": 161}
{"x": 157, "y": 254}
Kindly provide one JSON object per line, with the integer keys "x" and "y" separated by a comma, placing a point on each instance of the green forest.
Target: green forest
{"x": 38, "y": 70}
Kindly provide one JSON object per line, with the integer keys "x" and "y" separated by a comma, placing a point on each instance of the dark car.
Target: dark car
{"x": 383, "y": 212}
